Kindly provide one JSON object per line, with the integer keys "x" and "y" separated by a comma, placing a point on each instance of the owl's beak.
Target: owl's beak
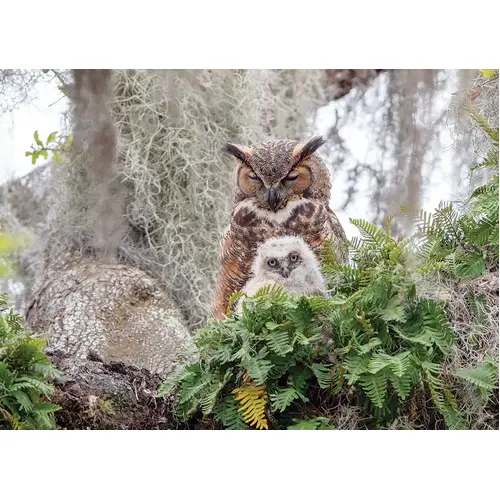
{"x": 273, "y": 198}
{"x": 285, "y": 272}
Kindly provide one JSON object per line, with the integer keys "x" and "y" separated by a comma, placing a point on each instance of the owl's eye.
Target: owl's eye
{"x": 294, "y": 257}
{"x": 252, "y": 176}
{"x": 272, "y": 262}
{"x": 292, "y": 176}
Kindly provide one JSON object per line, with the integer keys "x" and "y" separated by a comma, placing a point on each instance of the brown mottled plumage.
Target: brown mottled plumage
{"x": 282, "y": 188}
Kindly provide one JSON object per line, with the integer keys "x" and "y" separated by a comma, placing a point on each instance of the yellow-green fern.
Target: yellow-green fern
{"x": 253, "y": 401}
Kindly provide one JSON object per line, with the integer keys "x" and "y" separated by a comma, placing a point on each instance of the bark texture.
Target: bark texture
{"x": 110, "y": 311}
{"x": 98, "y": 395}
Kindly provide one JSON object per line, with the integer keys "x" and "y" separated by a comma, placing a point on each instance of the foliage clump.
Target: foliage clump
{"x": 381, "y": 346}
{"x": 25, "y": 376}
{"x": 25, "y": 371}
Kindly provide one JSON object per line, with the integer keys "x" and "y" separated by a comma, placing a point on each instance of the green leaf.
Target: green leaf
{"x": 402, "y": 385}
{"x": 47, "y": 407}
{"x": 310, "y": 424}
{"x": 279, "y": 342}
{"x": 257, "y": 369}
{"x": 393, "y": 311}
{"x": 228, "y": 415}
{"x": 375, "y": 387}
{"x": 323, "y": 374}
{"x": 37, "y": 139}
{"x": 482, "y": 376}
{"x": 282, "y": 399}
{"x": 23, "y": 399}
{"x": 51, "y": 137}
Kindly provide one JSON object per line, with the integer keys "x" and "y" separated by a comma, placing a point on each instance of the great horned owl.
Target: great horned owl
{"x": 286, "y": 261}
{"x": 282, "y": 187}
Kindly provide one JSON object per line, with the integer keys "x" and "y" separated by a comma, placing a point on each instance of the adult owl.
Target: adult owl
{"x": 282, "y": 188}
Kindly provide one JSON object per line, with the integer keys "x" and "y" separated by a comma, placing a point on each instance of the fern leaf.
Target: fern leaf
{"x": 375, "y": 387}
{"x": 210, "y": 397}
{"x": 23, "y": 399}
{"x": 253, "y": 400}
{"x": 482, "y": 376}
{"x": 33, "y": 383}
{"x": 323, "y": 373}
{"x": 171, "y": 382}
{"x": 398, "y": 364}
{"x": 370, "y": 232}
{"x": 378, "y": 362}
{"x": 311, "y": 424}
{"x": 258, "y": 369}
{"x": 369, "y": 346}
{"x": 355, "y": 366}
{"x": 232, "y": 301}
{"x": 436, "y": 324}
{"x": 279, "y": 342}
{"x": 46, "y": 407}
{"x": 402, "y": 385}
{"x": 228, "y": 415}
{"x": 393, "y": 311}
{"x": 282, "y": 399}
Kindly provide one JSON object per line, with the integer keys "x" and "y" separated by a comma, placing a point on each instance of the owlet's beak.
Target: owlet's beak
{"x": 285, "y": 272}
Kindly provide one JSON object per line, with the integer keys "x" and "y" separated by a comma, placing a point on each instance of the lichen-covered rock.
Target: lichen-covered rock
{"x": 113, "y": 311}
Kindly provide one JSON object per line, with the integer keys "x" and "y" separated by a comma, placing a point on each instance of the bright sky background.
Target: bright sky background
{"x": 43, "y": 113}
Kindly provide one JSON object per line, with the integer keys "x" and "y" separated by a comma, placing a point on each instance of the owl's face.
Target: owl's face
{"x": 280, "y": 259}
{"x": 273, "y": 173}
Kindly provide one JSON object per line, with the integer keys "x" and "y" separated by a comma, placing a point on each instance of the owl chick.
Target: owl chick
{"x": 286, "y": 261}
{"x": 282, "y": 188}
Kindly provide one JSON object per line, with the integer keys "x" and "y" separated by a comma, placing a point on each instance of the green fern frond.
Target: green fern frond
{"x": 375, "y": 387}
{"x": 484, "y": 376}
{"x": 355, "y": 366}
{"x": 311, "y": 424}
{"x": 257, "y": 369}
{"x": 228, "y": 415}
{"x": 283, "y": 398}
{"x": 278, "y": 341}
{"x": 232, "y": 301}
{"x": 370, "y": 233}
{"x": 402, "y": 385}
{"x": 23, "y": 399}
{"x": 481, "y": 121}
{"x": 398, "y": 364}
{"x": 33, "y": 383}
{"x": 323, "y": 374}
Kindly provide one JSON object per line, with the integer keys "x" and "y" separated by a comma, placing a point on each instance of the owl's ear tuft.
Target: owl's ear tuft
{"x": 235, "y": 151}
{"x": 309, "y": 148}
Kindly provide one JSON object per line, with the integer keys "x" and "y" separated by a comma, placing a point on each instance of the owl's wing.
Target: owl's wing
{"x": 233, "y": 273}
{"x": 337, "y": 237}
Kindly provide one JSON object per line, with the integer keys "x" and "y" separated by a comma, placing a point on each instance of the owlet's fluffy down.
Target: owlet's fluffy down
{"x": 287, "y": 261}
